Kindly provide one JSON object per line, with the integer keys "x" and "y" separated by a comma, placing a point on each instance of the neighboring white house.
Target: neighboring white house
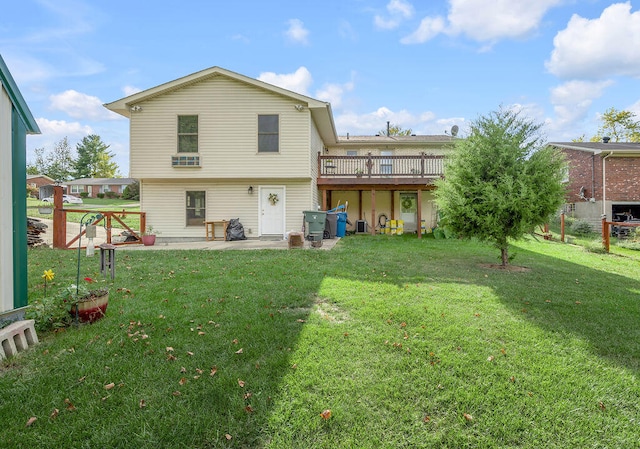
{"x": 16, "y": 122}
{"x": 217, "y": 145}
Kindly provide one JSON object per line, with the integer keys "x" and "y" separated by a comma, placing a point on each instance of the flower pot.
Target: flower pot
{"x": 148, "y": 240}
{"x": 45, "y": 210}
{"x": 92, "y": 308}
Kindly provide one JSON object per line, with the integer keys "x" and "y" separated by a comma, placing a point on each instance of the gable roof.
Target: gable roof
{"x": 101, "y": 181}
{"x": 44, "y": 177}
{"x": 630, "y": 149}
{"x": 320, "y": 110}
{"x": 16, "y": 98}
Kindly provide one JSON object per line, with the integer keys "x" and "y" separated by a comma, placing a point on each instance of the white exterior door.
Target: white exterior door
{"x": 272, "y": 207}
{"x": 409, "y": 211}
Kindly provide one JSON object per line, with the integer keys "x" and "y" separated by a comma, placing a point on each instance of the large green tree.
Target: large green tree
{"x": 94, "y": 160}
{"x": 620, "y": 126}
{"x": 57, "y": 163}
{"x": 501, "y": 181}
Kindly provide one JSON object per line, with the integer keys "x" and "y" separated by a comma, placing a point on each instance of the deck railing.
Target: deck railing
{"x": 419, "y": 166}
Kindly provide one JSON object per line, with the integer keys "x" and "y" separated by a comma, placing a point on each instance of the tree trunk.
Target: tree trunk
{"x": 505, "y": 256}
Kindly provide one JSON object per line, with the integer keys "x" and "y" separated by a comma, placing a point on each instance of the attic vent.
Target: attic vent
{"x": 185, "y": 161}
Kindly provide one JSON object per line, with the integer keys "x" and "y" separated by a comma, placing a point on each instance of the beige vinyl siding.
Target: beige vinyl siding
{"x": 317, "y": 147}
{"x": 165, "y": 203}
{"x": 6, "y": 208}
{"x": 227, "y": 133}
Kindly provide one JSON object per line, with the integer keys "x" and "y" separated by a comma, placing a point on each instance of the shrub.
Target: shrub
{"x": 100, "y": 195}
{"x": 84, "y": 194}
{"x": 132, "y": 192}
{"x": 581, "y": 228}
{"x": 111, "y": 194}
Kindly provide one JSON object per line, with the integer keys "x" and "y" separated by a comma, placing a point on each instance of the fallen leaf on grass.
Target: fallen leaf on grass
{"x": 326, "y": 414}
{"x": 176, "y": 393}
{"x": 239, "y": 351}
{"x": 490, "y": 358}
{"x": 183, "y": 370}
{"x": 601, "y": 405}
{"x": 70, "y": 406}
{"x": 82, "y": 379}
{"x": 427, "y": 418}
{"x": 31, "y": 421}
{"x": 249, "y": 409}
{"x": 227, "y": 436}
{"x": 214, "y": 370}
{"x": 189, "y": 353}
{"x": 169, "y": 349}
{"x": 241, "y": 383}
{"x": 109, "y": 386}
{"x": 54, "y": 413}
{"x": 183, "y": 381}
{"x": 247, "y": 395}
{"x": 142, "y": 403}
{"x": 467, "y": 416}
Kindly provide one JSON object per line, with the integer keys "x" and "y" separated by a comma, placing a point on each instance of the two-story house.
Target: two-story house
{"x": 602, "y": 180}
{"x": 217, "y": 145}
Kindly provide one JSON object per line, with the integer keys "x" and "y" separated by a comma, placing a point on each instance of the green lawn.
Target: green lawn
{"x": 410, "y": 343}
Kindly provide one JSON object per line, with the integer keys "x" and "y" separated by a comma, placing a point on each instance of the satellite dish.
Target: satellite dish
{"x": 454, "y": 130}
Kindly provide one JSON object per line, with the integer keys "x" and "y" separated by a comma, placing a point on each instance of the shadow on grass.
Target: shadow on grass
{"x": 565, "y": 290}
{"x": 195, "y": 344}
{"x": 199, "y": 344}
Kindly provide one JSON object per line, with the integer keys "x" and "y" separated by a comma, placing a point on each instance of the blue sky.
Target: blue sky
{"x": 424, "y": 65}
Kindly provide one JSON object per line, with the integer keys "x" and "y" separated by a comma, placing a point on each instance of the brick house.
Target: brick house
{"x": 37, "y": 181}
{"x": 603, "y": 179}
{"x": 93, "y": 186}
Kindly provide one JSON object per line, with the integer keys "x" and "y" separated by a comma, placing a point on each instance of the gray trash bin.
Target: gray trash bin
{"x": 331, "y": 225}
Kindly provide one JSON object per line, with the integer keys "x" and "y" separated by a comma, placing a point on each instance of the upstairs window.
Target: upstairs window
{"x": 187, "y": 134}
{"x": 268, "y": 134}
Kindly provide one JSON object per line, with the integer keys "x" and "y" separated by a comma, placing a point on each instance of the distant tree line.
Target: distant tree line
{"x": 91, "y": 159}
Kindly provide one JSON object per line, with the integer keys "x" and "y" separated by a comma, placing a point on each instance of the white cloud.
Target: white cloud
{"x": 130, "y": 90}
{"x": 297, "y": 33}
{"x": 429, "y": 28}
{"x": 81, "y": 106}
{"x": 57, "y": 129}
{"x": 333, "y": 92}
{"x": 299, "y": 81}
{"x": 571, "y": 102}
{"x": 485, "y": 21}
{"x": 372, "y": 122}
{"x": 399, "y": 10}
{"x": 489, "y": 21}
{"x": 598, "y": 48}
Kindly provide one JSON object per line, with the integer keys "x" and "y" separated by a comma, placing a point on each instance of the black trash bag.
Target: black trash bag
{"x": 235, "y": 230}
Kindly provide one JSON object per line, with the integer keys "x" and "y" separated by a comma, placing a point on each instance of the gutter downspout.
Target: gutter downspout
{"x": 593, "y": 176}
{"x": 604, "y": 186}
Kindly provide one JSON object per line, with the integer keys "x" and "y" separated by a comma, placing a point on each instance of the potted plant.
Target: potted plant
{"x": 88, "y": 305}
{"x": 359, "y": 172}
{"x": 149, "y": 236}
{"x": 60, "y": 309}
